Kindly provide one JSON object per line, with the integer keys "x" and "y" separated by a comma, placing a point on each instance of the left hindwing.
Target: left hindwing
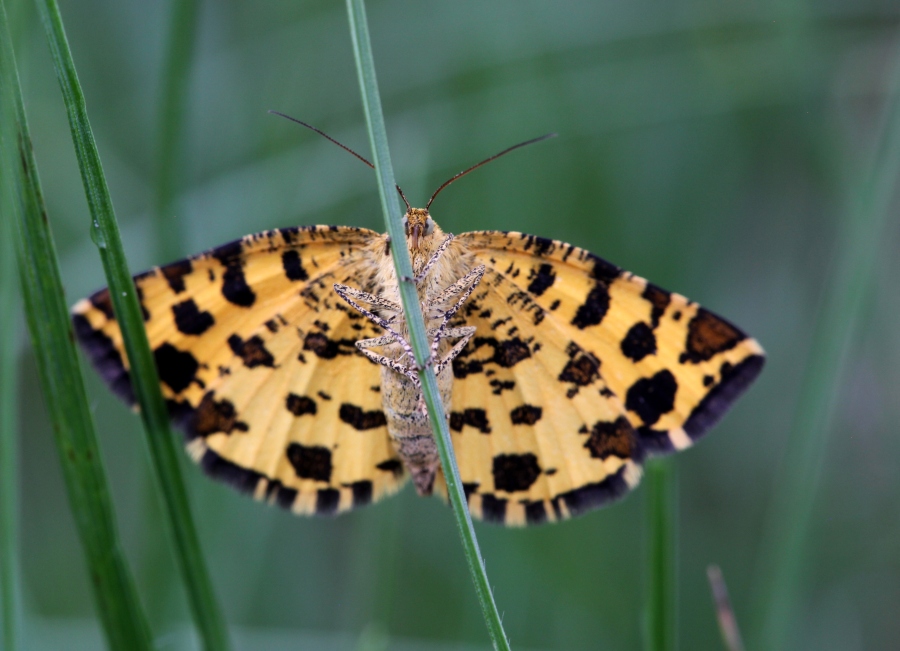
{"x": 582, "y": 342}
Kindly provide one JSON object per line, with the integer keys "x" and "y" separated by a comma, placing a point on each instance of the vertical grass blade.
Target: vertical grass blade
{"x": 48, "y": 321}
{"x": 10, "y": 594}
{"x": 852, "y": 277}
{"x": 173, "y": 102}
{"x": 365, "y": 67}
{"x": 662, "y": 590}
{"x": 105, "y": 233}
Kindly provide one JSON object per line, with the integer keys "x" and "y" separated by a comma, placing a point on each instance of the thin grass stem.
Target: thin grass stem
{"x": 783, "y": 550}
{"x": 10, "y": 595}
{"x": 662, "y": 526}
{"x": 145, "y": 382}
{"x": 10, "y": 592}
{"x": 365, "y": 67}
{"x": 115, "y": 597}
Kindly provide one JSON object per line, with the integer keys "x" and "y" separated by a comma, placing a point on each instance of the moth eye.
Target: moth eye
{"x": 406, "y": 224}
{"x": 429, "y": 226}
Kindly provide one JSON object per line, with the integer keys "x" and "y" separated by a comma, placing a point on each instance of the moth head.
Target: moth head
{"x": 417, "y": 223}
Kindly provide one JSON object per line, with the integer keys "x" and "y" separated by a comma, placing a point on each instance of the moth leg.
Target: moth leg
{"x": 366, "y": 297}
{"x": 464, "y": 332}
{"x": 433, "y": 259}
{"x": 393, "y": 364}
{"x": 374, "y": 318}
{"x": 465, "y": 285}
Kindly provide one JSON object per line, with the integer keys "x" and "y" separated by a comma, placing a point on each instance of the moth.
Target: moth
{"x": 284, "y": 357}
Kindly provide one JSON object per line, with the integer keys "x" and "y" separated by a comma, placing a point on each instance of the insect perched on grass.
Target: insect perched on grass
{"x": 284, "y": 356}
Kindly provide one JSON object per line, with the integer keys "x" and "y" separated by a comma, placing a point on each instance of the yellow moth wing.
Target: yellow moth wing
{"x": 530, "y": 447}
{"x": 247, "y": 338}
{"x": 675, "y": 366}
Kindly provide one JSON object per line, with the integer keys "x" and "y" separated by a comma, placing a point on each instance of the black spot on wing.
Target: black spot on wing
{"x": 639, "y": 342}
{"x": 542, "y": 245}
{"x": 234, "y": 285}
{"x": 594, "y": 308}
{"x": 212, "y": 416}
{"x": 310, "y": 462}
{"x": 280, "y": 494}
{"x": 361, "y": 420}
{"x": 525, "y": 415}
{"x": 613, "y": 438}
{"x": 734, "y": 381}
{"x": 326, "y": 348}
{"x": 535, "y": 513}
{"x": 515, "y": 472}
{"x": 542, "y": 279}
{"x": 506, "y": 353}
{"x": 174, "y": 274}
{"x": 105, "y": 357}
{"x": 327, "y": 501}
{"x": 300, "y": 405}
{"x": 510, "y": 352}
{"x": 252, "y": 351}
{"x": 708, "y": 335}
{"x": 582, "y": 368}
{"x": 659, "y": 299}
{"x": 190, "y": 320}
{"x": 476, "y": 418}
{"x": 177, "y": 368}
{"x": 235, "y": 288}
{"x": 393, "y": 466}
{"x": 652, "y": 397}
{"x": 462, "y": 368}
{"x": 293, "y": 268}
{"x": 362, "y": 492}
{"x": 493, "y": 508}
{"x": 102, "y": 302}
{"x": 603, "y": 271}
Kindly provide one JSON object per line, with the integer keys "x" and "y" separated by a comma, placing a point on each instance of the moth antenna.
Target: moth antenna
{"x": 403, "y": 196}
{"x": 342, "y": 146}
{"x": 486, "y": 160}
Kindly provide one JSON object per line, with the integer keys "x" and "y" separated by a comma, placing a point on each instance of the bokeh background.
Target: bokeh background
{"x": 711, "y": 146}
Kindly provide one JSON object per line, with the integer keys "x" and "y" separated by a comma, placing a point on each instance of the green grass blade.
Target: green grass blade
{"x": 365, "y": 67}
{"x": 10, "y": 594}
{"x": 662, "y": 522}
{"x": 853, "y": 274}
{"x": 179, "y": 55}
{"x": 48, "y": 321}
{"x": 105, "y": 233}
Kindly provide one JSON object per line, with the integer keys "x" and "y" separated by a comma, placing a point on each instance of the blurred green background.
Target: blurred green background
{"x": 712, "y": 147}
